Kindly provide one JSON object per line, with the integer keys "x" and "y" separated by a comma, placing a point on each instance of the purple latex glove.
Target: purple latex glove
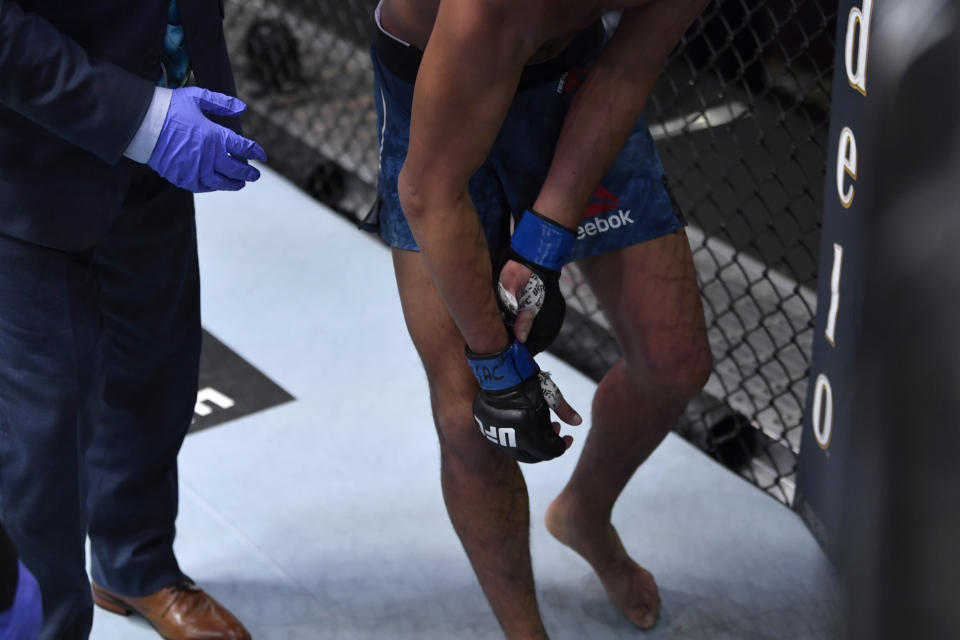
{"x": 23, "y": 620}
{"x": 199, "y": 155}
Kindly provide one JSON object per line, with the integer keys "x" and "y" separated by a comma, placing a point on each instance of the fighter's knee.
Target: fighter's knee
{"x": 460, "y": 438}
{"x": 693, "y": 370}
{"x": 679, "y": 368}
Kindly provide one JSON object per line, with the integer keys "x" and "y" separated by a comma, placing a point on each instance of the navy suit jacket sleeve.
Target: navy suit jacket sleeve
{"x": 49, "y": 78}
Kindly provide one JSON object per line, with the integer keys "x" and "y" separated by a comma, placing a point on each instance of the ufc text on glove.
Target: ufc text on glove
{"x": 197, "y": 154}
{"x": 513, "y": 406}
{"x": 542, "y": 246}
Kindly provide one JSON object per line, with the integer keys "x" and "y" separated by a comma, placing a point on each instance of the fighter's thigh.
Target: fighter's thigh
{"x": 441, "y": 349}
{"x": 650, "y": 295}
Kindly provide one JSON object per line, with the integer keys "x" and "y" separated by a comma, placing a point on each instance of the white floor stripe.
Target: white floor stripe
{"x": 698, "y": 121}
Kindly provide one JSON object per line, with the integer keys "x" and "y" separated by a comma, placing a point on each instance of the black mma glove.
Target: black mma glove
{"x": 542, "y": 246}
{"x": 513, "y": 406}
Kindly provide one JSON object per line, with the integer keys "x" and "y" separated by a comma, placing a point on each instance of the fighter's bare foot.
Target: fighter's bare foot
{"x": 630, "y": 587}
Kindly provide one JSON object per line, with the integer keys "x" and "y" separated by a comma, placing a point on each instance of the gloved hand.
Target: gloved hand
{"x": 541, "y": 246}
{"x": 23, "y": 620}
{"x": 514, "y": 402}
{"x": 197, "y": 154}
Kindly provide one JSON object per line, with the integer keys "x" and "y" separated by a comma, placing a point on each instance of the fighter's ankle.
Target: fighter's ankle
{"x": 569, "y": 511}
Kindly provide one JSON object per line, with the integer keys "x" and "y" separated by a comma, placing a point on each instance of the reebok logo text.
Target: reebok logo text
{"x": 602, "y": 225}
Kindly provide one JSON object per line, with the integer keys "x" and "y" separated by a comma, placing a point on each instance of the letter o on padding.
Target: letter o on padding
{"x": 822, "y": 404}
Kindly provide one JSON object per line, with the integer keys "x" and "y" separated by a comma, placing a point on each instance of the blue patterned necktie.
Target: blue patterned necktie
{"x": 175, "y": 60}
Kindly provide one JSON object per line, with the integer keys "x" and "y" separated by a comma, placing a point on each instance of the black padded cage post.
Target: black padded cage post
{"x": 901, "y": 486}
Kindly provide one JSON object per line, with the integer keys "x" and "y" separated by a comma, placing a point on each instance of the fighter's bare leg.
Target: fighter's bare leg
{"x": 483, "y": 489}
{"x": 650, "y": 295}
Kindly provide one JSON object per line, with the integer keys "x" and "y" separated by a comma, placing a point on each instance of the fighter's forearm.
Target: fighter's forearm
{"x": 452, "y": 127}
{"x": 456, "y": 254}
{"x": 609, "y": 103}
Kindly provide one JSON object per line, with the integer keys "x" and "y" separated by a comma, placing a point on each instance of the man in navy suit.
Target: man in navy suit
{"x": 102, "y": 141}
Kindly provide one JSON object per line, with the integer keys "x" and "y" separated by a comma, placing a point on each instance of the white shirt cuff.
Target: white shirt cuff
{"x": 141, "y": 147}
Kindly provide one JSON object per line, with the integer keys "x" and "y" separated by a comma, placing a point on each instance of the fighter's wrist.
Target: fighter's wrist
{"x": 493, "y": 337}
{"x": 541, "y": 241}
{"x": 503, "y": 369}
{"x": 560, "y": 205}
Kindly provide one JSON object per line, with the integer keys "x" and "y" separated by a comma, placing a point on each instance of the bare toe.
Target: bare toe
{"x": 640, "y": 601}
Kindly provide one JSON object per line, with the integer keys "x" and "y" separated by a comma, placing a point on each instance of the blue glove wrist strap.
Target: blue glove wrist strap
{"x": 541, "y": 241}
{"x": 502, "y": 370}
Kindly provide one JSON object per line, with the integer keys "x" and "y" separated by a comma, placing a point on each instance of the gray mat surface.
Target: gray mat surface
{"x": 322, "y": 518}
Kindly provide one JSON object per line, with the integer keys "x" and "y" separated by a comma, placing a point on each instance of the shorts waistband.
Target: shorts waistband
{"x": 403, "y": 60}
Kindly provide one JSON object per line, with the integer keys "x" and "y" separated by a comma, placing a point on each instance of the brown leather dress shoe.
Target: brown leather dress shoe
{"x": 181, "y": 612}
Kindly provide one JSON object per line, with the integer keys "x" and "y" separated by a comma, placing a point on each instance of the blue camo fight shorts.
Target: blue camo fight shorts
{"x": 631, "y": 205}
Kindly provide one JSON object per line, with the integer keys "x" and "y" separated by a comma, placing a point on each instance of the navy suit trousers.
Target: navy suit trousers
{"x": 99, "y": 351}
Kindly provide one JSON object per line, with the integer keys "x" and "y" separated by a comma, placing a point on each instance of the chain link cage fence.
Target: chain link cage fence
{"x": 740, "y": 116}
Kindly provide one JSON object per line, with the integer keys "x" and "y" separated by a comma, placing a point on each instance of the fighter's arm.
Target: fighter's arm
{"x": 470, "y": 71}
{"x": 609, "y": 102}
{"x": 602, "y": 115}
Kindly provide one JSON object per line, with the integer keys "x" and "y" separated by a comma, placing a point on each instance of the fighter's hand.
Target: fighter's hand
{"x": 513, "y": 406}
{"x": 521, "y": 294}
{"x": 529, "y": 284}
